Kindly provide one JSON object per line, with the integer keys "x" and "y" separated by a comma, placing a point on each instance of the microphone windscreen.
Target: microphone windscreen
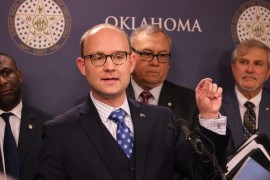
{"x": 171, "y": 126}
{"x": 180, "y": 123}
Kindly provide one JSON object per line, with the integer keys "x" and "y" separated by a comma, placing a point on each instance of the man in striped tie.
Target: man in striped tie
{"x": 247, "y": 106}
{"x": 151, "y": 47}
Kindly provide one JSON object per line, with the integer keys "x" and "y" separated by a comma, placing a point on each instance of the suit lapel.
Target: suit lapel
{"x": 264, "y": 114}
{"x": 165, "y": 98}
{"x": 141, "y": 122}
{"x": 28, "y": 130}
{"x": 231, "y": 110}
{"x": 94, "y": 129}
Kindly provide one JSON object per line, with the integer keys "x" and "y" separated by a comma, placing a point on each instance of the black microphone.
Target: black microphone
{"x": 181, "y": 126}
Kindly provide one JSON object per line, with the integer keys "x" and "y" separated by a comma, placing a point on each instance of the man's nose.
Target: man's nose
{"x": 2, "y": 80}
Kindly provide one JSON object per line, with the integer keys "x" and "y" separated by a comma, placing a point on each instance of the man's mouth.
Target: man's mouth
{"x": 5, "y": 92}
{"x": 110, "y": 79}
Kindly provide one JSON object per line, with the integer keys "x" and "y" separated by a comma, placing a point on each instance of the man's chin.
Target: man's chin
{"x": 249, "y": 88}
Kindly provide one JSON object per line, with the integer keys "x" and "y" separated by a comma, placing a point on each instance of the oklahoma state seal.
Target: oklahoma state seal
{"x": 39, "y": 27}
{"x": 252, "y": 21}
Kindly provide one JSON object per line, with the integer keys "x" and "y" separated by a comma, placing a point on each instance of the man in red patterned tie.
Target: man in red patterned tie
{"x": 151, "y": 47}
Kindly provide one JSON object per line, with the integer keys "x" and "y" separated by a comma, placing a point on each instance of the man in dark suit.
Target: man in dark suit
{"x": 109, "y": 136}
{"x": 25, "y": 120}
{"x": 250, "y": 65}
{"x": 152, "y": 48}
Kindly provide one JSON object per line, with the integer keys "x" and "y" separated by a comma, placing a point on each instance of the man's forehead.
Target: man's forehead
{"x": 7, "y": 62}
{"x": 4, "y": 59}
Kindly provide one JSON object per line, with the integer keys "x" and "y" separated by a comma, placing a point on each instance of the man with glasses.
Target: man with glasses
{"x": 152, "y": 49}
{"x": 111, "y": 137}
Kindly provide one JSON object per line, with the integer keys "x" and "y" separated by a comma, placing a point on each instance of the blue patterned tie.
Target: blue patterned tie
{"x": 10, "y": 150}
{"x": 249, "y": 120}
{"x": 124, "y": 136}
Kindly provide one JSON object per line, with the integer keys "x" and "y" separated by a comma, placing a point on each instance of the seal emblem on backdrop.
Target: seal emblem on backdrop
{"x": 39, "y": 27}
{"x": 252, "y": 21}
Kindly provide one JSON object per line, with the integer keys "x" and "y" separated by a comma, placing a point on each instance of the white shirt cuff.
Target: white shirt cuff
{"x": 216, "y": 125}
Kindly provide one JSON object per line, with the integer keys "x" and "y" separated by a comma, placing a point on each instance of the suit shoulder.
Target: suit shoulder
{"x": 148, "y": 107}
{"x": 30, "y": 111}
{"x": 66, "y": 116}
{"x": 228, "y": 94}
{"x": 266, "y": 90}
{"x": 177, "y": 88}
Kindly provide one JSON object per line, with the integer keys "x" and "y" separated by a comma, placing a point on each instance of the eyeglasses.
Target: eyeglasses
{"x": 99, "y": 59}
{"x": 147, "y": 56}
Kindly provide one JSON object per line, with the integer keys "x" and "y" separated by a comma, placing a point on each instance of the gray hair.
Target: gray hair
{"x": 148, "y": 29}
{"x": 245, "y": 46}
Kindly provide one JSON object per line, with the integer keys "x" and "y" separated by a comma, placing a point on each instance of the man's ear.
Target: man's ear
{"x": 81, "y": 65}
{"x": 19, "y": 73}
{"x": 233, "y": 67}
{"x": 268, "y": 73}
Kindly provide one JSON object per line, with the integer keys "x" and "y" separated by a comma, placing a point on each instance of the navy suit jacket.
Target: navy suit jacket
{"x": 180, "y": 100}
{"x": 30, "y": 141}
{"x": 75, "y": 147}
{"x": 230, "y": 108}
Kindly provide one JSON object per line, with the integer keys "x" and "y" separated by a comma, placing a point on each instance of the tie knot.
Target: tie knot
{"x": 145, "y": 96}
{"x": 6, "y": 116}
{"x": 249, "y": 105}
{"x": 118, "y": 115}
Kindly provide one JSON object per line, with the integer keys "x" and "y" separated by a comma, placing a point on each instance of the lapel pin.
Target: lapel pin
{"x": 169, "y": 104}
{"x": 142, "y": 115}
{"x": 267, "y": 109}
{"x": 30, "y": 126}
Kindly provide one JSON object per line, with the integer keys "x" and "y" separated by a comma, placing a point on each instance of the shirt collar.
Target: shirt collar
{"x": 242, "y": 99}
{"x": 105, "y": 110}
{"x": 17, "y": 111}
{"x": 138, "y": 90}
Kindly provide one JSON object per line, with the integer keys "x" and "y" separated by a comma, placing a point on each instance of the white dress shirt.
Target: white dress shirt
{"x": 154, "y": 91}
{"x": 242, "y": 100}
{"x": 104, "y": 112}
{"x": 15, "y": 123}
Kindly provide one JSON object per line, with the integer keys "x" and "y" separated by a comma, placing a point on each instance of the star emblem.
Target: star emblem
{"x": 39, "y": 27}
{"x": 253, "y": 23}
{"x": 40, "y": 23}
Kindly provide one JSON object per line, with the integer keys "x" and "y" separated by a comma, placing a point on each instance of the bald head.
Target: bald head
{"x": 99, "y": 28}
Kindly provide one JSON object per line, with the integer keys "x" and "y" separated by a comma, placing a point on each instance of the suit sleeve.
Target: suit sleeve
{"x": 196, "y": 166}
{"x": 50, "y": 165}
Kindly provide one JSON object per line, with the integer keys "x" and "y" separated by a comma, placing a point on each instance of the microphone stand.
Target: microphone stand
{"x": 198, "y": 146}
{"x": 213, "y": 159}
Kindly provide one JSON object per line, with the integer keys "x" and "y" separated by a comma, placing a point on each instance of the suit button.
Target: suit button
{"x": 132, "y": 168}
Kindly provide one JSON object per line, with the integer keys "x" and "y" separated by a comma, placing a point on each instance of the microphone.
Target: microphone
{"x": 181, "y": 126}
